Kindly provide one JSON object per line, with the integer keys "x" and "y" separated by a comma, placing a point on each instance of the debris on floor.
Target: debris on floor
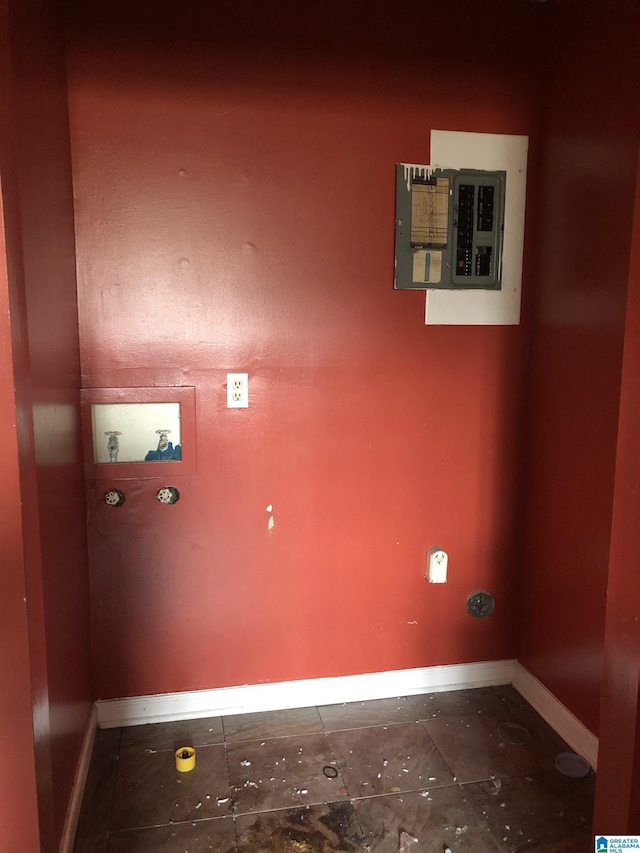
{"x": 318, "y": 829}
{"x": 406, "y": 841}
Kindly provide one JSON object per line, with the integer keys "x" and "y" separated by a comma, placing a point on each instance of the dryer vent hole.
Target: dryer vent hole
{"x": 480, "y": 604}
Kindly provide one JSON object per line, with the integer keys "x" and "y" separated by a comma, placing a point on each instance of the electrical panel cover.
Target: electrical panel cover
{"x": 449, "y": 228}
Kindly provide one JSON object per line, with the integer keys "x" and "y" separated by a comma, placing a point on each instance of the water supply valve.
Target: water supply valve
{"x": 113, "y": 445}
{"x": 163, "y": 441}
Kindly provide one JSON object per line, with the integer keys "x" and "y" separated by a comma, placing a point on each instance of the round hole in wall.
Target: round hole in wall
{"x": 480, "y": 604}
{"x": 114, "y": 497}
{"x": 168, "y": 495}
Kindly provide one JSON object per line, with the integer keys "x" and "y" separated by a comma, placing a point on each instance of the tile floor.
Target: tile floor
{"x": 472, "y": 770}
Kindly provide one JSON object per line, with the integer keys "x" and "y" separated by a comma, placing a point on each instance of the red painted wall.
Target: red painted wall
{"x": 18, "y": 804}
{"x": 618, "y": 790}
{"x": 586, "y": 191}
{"x": 46, "y": 547}
{"x": 234, "y": 185}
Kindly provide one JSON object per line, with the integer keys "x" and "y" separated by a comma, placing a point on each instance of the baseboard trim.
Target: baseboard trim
{"x": 77, "y": 792}
{"x": 247, "y": 698}
{"x": 300, "y": 694}
{"x": 566, "y": 724}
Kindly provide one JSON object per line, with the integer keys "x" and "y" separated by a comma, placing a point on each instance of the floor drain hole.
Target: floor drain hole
{"x": 514, "y": 734}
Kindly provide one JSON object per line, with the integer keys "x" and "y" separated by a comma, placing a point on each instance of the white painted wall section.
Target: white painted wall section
{"x": 492, "y": 152}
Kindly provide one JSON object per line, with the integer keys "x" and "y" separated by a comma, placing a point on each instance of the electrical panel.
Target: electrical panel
{"x": 449, "y": 228}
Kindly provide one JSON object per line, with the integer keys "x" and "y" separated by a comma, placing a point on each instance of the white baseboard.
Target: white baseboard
{"x": 300, "y": 694}
{"x": 77, "y": 792}
{"x": 165, "y": 707}
{"x": 566, "y": 724}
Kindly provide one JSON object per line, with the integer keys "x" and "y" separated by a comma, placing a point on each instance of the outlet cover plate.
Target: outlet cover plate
{"x": 237, "y": 390}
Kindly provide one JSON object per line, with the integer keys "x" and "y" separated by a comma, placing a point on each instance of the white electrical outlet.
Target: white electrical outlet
{"x": 437, "y": 561}
{"x": 237, "y": 390}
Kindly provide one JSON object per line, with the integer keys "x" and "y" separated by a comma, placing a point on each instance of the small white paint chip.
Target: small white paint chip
{"x": 245, "y": 763}
{"x": 272, "y": 522}
{"x": 222, "y": 800}
{"x": 198, "y": 805}
{"x": 406, "y": 841}
{"x": 269, "y": 508}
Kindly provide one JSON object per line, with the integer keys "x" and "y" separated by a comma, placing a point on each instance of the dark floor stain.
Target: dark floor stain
{"x": 331, "y": 828}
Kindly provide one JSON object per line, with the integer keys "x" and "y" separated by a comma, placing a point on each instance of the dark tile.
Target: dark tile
{"x": 545, "y": 813}
{"x": 149, "y": 791}
{"x": 550, "y": 739}
{"x": 98, "y": 791}
{"x": 197, "y": 837}
{"x": 440, "y": 817}
{"x": 267, "y": 724}
{"x": 383, "y": 760}
{"x": 160, "y": 736}
{"x": 356, "y": 715}
{"x": 282, "y": 773}
{"x": 459, "y": 703}
{"x": 321, "y": 828}
{"x": 379, "y": 748}
{"x": 474, "y": 749}
{"x": 91, "y": 844}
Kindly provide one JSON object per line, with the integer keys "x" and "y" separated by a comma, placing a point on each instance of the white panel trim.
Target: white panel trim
{"x": 560, "y": 718}
{"x": 165, "y": 707}
{"x": 494, "y": 152}
{"x": 77, "y": 792}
